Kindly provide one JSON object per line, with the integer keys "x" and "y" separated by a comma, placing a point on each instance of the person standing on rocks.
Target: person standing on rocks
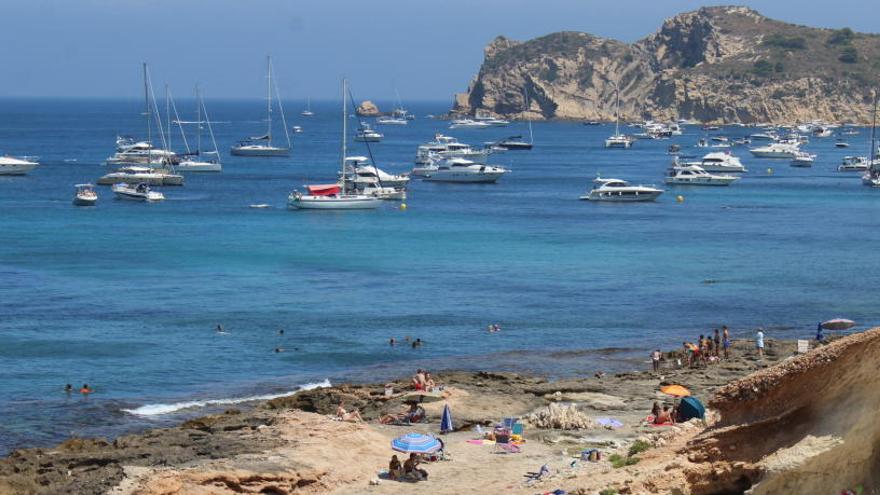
{"x": 726, "y": 341}
{"x": 655, "y": 360}
{"x": 759, "y": 343}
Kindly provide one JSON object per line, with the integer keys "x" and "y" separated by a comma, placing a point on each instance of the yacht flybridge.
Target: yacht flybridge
{"x": 461, "y": 170}
{"x": 776, "y": 150}
{"x": 719, "y": 161}
{"x": 620, "y": 191}
{"x": 334, "y": 196}
{"x": 262, "y": 145}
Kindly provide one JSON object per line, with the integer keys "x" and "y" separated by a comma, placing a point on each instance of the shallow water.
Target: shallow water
{"x": 126, "y": 296}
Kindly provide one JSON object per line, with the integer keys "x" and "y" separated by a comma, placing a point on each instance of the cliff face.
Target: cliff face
{"x": 727, "y": 64}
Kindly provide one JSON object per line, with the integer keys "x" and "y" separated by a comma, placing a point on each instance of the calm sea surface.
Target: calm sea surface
{"x": 125, "y": 296}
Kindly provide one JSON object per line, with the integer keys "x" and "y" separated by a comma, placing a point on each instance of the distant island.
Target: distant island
{"x": 716, "y": 64}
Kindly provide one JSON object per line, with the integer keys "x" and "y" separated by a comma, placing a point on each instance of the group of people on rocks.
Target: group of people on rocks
{"x": 708, "y": 349}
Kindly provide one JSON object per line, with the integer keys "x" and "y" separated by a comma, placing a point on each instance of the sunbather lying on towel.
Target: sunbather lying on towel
{"x": 415, "y": 414}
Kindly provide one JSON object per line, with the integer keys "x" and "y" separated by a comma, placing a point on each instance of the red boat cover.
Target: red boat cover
{"x": 324, "y": 189}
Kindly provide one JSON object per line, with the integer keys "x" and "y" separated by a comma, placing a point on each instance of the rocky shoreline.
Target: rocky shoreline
{"x": 292, "y": 444}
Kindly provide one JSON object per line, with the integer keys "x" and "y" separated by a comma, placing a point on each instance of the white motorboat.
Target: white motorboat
{"x": 719, "y": 161}
{"x": 841, "y": 144}
{"x": 296, "y": 129}
{"x": 15, "y": 166}
{"x": 465, "y": 171}
{"x": 803, "y": 159}
{"x": 776, "y": 150}
{"x": 334, "y": 196}
{"x": 492, "y": 121}
{"x": 366, "y": 134}
{"x": 85, "y": 195}
{"x": 761, "y": 136}
{"x": 444, "y": 147}
{"x": 262, "y": 145}
{"x": 620, "y": 191}
{"x": 383, "y": 192}
{"x": 131, "y": 152}
{"x": 199, "y": 160}
{"x": 363, "y": 172}
{"x": 822, "y": 132}
{"x": 469, "y": 124}
{"x": 853, "y": 164}
{"x": 139, "y": 192}
{"x": 135, "y": 174}
{"x": 694, "y": 175}
{"x": 391, "y": 120}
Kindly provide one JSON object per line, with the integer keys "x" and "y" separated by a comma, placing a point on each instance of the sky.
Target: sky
{"x": 426, "y": 50}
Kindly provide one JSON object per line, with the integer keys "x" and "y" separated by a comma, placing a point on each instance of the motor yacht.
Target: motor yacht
{"x": 853, "y": 164}
{"x": 776, "y": 150}
{"x": 366, "y": 134}
{"x": 363, "y": 172}
{"x": 135, "y": 174}
{"x": 461, "y": 170}
{"x": 85, "y": 195}
{"x": 16, "y": 166}
{"x": 469, "y": 124}
{"x": 803, "y": 159}
{"x": 448, "y": 147}
{"x": 620, "y": 191}
{"x": 391, "y": 120}
{"x": 840, "y": 143}
{"x": 694, "y": 175}
{"x": 139, "y": 192}
{"x": 131, "y": 152}
{"x": 763, "y": 136}
{"x": 719, "y": 161}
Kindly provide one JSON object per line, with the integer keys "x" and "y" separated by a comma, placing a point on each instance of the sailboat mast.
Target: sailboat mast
{"x": 269, "y": 98}
{"x": 617, "y": 120}
{"x": 873, "y": 152}
{"x": 198, "y": 121}
{"x": 344, "y": 131}
{"x": 168, "y": 117}
{"x": 149, "y": 114}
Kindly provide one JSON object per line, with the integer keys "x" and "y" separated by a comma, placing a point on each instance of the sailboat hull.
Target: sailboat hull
{"x": 358, "y": 202}
{"x": 188, "y": 166}
{"x": 516, "y": 146}
{"x": 259, "y": 151}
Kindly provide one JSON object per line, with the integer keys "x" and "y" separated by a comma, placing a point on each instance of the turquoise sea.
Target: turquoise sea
{"x": 126, "y": 296}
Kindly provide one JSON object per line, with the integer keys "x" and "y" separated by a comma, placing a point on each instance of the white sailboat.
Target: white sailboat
{"x": 872, "y": 175}
{"x": 262, "y": 145}
{"x": 618, "y": 140}
{"x": 334, "y": 196}
{"x": 198, "y": 160}
{"x": 308, "y": 111}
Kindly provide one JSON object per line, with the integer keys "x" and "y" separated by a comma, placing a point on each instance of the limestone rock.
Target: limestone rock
{"x": 716, "y": 64}
{"x": 368, "y": 109}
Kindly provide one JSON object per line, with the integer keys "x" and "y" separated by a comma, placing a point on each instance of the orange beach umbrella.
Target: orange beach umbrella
{"x": 676, "y": 390}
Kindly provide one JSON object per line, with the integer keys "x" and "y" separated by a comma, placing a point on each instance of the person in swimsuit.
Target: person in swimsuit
{"x": 354, "y": 416}
{"x": 725, "y": 341}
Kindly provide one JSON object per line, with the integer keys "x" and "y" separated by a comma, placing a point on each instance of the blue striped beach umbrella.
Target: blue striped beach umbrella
{"x": 416, "y": 442}
{"x": 446, "y": 420}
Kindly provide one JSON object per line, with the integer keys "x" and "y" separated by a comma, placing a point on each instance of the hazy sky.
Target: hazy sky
{"x": 427, "y": 49}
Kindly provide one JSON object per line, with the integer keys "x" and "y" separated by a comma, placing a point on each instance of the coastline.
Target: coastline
{"x": 236, "y": 438}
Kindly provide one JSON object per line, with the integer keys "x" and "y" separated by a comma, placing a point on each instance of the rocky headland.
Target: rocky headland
{"x": 716, "y": 64}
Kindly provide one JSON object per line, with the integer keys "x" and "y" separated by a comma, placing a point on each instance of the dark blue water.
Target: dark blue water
{"x": 125, "y": 296}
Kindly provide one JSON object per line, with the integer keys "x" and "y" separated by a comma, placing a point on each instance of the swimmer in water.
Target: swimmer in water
{"x": 281, "y": 332}
{"x": 391, "y": 342}
{"x": 85, "y": 390}
{"x": 220, "y": 328}
{"x": 68, "y": 389}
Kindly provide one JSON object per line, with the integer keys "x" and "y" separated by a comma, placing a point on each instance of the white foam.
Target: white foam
{"x": 160, "y": 409}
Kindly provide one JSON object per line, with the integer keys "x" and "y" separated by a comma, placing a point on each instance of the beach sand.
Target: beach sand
{"x": 294, "y": 445}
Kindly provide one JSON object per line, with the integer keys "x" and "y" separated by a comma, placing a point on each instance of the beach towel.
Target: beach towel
{"x": 610, "y": 423}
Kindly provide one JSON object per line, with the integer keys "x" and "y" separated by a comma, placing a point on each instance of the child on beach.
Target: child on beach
{"x": 759, "y": 343}
{"x": 395, "y": 470}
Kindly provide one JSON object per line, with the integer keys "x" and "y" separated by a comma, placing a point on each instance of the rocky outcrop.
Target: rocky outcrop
{"x": 719, "y": 64}
{"x": 368, "y": 109}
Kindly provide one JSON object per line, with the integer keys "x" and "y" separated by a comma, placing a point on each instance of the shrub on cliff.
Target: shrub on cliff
{"x": 841, "y": 37}
{"x": 849, "y": 55}
{"x": 777, "y": 40}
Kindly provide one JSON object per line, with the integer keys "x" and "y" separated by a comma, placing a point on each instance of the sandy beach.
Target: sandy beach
{"x": 296, "y": 445}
